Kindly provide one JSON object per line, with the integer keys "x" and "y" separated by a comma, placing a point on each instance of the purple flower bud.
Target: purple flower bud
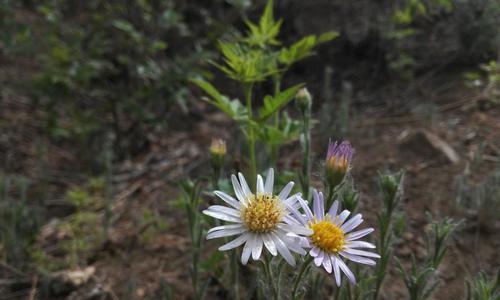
{"x": 338, "y": 162}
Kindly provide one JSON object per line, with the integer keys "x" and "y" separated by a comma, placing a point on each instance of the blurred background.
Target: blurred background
{"x": 99, "y": 123}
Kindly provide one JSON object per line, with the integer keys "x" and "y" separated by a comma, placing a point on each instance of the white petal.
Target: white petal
{"x": 352, "y": 223}
{"x": 342, "y": 217}
{"x": 225, "y": 210}
{"x": 257, "y": 247}
{"x": 333, "y": 209}
{"x": 282, "y": 249}
{"x": 236, "y": 242}
{"x": 291, "y": 220}
{"x": 228, "y": 199}
{"x": 294, "y": 244}
{"x": 221, "y": 216}
{"x": 247, "y": 250}
{"x": 336, "y": 269}
{"x": 244, "y": 186}
{"x": 358, "y": 234}
{"x": 297, "y": 215}
{"x": 268, "y": 187}
{"x": 304, "y": 243}
{"x": 321, "y": 205}
{"x": 306, "y": 209}
{"x": 346, "y": 271}
{"x": 260, "y": 185}
{"x": 360, "y": 244}
{"x": 225, "y": 232}
{"x": 358, "y": 259}
{"x": 237, "y": 189}
{"x": 314, "y": 251}
{"x": 270, "y": 246}
{"x": 318, "y": 260}
{"x": 295, "y": 229}
{"x": 230, "y": 226}
{"x": 327, "y": 263}
{"x": 286, "y": 190}
{"x": 316, "y": 206}
{"x": 293, "y": 200}
{"x": 361, "y": 253}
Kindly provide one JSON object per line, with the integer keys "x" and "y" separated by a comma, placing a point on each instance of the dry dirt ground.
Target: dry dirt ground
{"x": 128, "y": 267}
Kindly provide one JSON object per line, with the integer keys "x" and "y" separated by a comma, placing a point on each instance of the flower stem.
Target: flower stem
{"x": 269, "y": 277}
{"x": 298, "y": 279}
{"x": 234, "y": 274}
{"x": 275, "y": 147}
{"x": 250, "y": 132}
{"x": 306, "y": 149}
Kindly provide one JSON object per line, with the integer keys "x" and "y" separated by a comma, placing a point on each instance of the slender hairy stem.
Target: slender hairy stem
{"x": 269, "y": 277}
{"x": 250, "y": 132}
{"x": 275, "y": 147}
{"x": 306, "y": 149}
{"x": 234, "y": 272}
{"x": 298, "y": 279}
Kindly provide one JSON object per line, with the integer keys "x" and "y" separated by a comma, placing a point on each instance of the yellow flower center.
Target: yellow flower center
{"x": 327, "y": 236}
{"x": 263, "y": 213}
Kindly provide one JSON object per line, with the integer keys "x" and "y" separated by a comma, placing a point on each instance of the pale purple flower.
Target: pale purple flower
{"x": 333, "y": 238}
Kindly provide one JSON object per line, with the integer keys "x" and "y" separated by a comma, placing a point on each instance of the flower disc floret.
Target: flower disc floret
{"x": 263, "y": 213}
{"x": 327, "y": 236}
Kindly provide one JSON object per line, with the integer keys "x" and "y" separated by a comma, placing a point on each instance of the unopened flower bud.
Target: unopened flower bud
{"x": 303, "y": 99}
{"x": 338, "y": 162}
{"x": 217, "y": 152}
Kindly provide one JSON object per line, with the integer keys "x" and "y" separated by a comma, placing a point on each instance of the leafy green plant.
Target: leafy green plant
{"x": 421, "y": 280}
{"x": 484, "y": 288}
{"x": 251, "y": 59}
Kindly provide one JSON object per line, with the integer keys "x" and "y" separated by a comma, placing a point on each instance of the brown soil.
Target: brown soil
{"x": 129, "y": 267}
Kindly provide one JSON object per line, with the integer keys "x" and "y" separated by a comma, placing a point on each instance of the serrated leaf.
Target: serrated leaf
{"x": 273, "y": 104}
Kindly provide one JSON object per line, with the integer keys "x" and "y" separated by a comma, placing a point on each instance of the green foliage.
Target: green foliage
{"x": 421, "y": 280}
{"x": 242, "y": 63}
{"x": 483, "y": 288}
{"x": 18, "y": 222}
{"x": 487, "y": 80}
{"x": 110, "y": 73}
{"x": 190, "y": 201}
{"x": 272, "y": 104}
{"x": 233, "y": 108}
{"x": 257, "y": 57}
{"x": 83, "y": 232}
{"x": 266, "y": 32}
{"x": 416, "y": 280}
{"x": 467, "y": 31}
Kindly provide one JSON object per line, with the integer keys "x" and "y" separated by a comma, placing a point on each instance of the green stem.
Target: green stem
{"x": 306, "y": 169}
{"x": 275, "y": 147}
{"x": 234, "y": 273}
{"x": 298, "y": 279}
{"x": 251, "y": 133}
{"x": 269, "y": 278}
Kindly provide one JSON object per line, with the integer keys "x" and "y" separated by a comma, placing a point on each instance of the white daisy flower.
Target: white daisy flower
{"x": 333, "y": 237}
{"x": 261, "y": 220}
